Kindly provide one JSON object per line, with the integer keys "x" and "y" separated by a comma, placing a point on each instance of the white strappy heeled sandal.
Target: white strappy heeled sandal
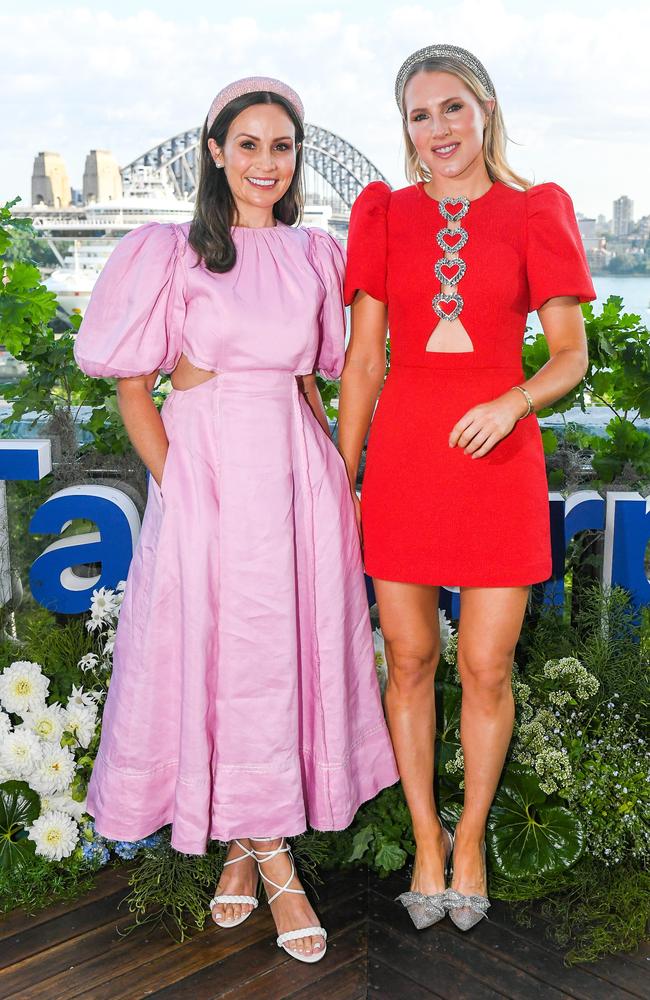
{"x": 263, "y": 856}
{"x": 222, "y": 899}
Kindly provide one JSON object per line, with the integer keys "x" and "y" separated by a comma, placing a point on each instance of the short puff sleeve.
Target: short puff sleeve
{"x": 134, "y": 321}
{"x": 367, "y": 243}
{"x": 328, "y": 260}
{"x": 556, "y": 262}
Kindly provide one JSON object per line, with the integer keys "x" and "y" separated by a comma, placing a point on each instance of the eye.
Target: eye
{"x": 283, "y": 146}
{"x": 454, "y": 107}
{"x": 420, "y": 116}
{"x": 248, "y": 144}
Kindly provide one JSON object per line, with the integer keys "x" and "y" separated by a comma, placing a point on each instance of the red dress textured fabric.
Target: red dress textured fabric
{"x": 431, "y": 514}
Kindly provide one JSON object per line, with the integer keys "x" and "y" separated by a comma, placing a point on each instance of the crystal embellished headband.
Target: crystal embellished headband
{"x": 250, "y": 85}
{"x": 453, "y": 52}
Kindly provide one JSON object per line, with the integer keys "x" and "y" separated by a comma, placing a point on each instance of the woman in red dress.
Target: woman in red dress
{"x": 455, "y": 491}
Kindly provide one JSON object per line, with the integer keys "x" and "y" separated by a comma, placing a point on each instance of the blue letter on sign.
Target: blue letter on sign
{"x": 53, "y": 582}
{"x": 627, "y": 535}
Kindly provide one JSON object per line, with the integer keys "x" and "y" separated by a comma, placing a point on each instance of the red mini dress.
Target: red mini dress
{"x": 430, "y": 513}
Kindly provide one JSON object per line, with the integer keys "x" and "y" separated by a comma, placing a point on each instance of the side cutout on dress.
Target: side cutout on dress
{"x": 190, "y": 375}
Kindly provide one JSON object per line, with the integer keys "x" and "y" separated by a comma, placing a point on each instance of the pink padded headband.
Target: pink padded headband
{"x": 249, "y": 85}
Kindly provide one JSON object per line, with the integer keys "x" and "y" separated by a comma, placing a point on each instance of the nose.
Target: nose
{"x": 439, "y": 126}
{"x": 265, "y": 160}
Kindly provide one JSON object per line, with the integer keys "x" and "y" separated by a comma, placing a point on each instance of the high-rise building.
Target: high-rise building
{"x": 50, "y": 181}
{"x": 102, "y": 177}
{"x": 623, "y": 209}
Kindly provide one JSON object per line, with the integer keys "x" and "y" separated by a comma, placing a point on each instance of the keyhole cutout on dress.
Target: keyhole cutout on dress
{"x": 449, "y": 336}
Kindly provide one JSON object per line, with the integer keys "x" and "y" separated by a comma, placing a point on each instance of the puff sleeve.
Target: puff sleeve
{"x": 555, "y": 258}
{"x": 134, "y": 320}
{"x": 328, "y": 260}
{"x": 367, "y": 243}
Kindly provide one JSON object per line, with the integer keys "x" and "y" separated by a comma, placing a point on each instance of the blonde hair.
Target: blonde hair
{"x": 494, "y": 137}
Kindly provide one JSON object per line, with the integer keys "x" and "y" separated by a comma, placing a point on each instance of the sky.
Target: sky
{"x": 573, "y": 79}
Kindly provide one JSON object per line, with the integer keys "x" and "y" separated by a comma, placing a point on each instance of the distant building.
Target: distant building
{"x": 603, "y": 226}
{"x": 623, "y": 210}
{"x": 102, "y": 178}
{"x": 50, "y": 181}
{"x": 594, "y": 243}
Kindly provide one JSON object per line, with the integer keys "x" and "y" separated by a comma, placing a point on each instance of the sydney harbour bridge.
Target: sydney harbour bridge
{"x": 344, "y": 168}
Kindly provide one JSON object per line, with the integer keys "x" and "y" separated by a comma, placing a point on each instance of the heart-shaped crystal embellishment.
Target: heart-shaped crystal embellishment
{"x": 454, "y": 209}
{"x": 449, "y": 272}
{"x": 448, "y": 306}
{"x": 451, "y": 240}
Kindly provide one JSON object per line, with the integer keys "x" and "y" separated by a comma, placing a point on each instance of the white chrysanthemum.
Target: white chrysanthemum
{"x": 380, "y": 658}
{"x": 63, "y": 802}
{"x": 54, "y": 771}
{"x": 5, "y": 724}
{"x": 23, "y": 687}
{"x": 103, "y": 604}
{"x": 55, "y": 834}
{"x": 20, "y": 753}
{"x": 88, "y": 662}
{"x": 46, "y": 722}
{"x": 81, "y": 721}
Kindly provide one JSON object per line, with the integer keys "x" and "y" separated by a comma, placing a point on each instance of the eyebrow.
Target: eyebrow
{"x": 257, "y": 138}
{"x": 445, "y": 100}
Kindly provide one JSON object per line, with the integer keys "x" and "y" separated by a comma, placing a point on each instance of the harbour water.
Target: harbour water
{"x": 634, "y": 289}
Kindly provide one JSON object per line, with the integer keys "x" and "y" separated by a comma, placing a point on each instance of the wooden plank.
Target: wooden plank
{"x": 443, "y": 957}
{"x": 107, "y": 881}
{"x": 346, "y": 983}
{"x": 201, "y": 960}
{"x": 384, "y": 983}
{"x": 291, "y": 976}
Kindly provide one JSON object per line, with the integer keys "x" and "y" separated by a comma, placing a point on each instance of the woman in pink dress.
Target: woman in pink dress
{"x": 244, "y": 702}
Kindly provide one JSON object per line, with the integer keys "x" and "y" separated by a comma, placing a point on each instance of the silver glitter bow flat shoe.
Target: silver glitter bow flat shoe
{"x": 427, "y": 909}
{"x": 466, "y": 911}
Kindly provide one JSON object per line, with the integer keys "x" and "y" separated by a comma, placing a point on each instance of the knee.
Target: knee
{"x": 410, "y": 667}
{"x": 487, "y": 671}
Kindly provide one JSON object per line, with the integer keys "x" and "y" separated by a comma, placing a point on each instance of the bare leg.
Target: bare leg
{"x": 490, "y": 623}
{"x": 409, "y": 621}
{"x": 236, "y": 880}
{"x": 290, "y": 910}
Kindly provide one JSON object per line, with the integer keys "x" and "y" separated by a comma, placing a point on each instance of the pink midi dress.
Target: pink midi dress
{"x": 244, "y": 700}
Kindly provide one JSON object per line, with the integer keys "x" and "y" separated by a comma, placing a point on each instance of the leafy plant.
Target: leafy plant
{"x": 19, "y": 807}
{"x": 618, "y": 377}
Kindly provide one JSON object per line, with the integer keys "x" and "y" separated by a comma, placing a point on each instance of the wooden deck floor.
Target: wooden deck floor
{"x": 75, "y": 951}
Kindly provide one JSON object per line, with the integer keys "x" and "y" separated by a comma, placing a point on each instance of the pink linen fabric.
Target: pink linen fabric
{"x": 244, "y": 700}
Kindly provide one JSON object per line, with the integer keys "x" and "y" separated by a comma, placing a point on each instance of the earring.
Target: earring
{"x": 219, "y": 166}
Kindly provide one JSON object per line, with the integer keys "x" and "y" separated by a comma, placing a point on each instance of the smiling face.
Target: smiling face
{"x": 259, "y": 159}
{"x": 445, "y": 121}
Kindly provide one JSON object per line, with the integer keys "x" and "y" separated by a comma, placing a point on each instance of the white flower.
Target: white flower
{"x": 5, "y": 724}
{"x": 80, "y": 698}
{"x": 380, "y": 659}
{"x": 46, "y": 722}
{"x": 445, "y": 630}
{"x": 20, "y": 752}
{"x": 23, "y": 687}
{"x": 103, "y": 604}
{"x": 110, "y": 642}
{"x": 80, "y": 719}
{"x": 88, "y": 662}
{"x": 120, "y": 587}
{"x": 55, "y": 834}
{"x": 64, "y": 802}
{"x": 54, "y": 771}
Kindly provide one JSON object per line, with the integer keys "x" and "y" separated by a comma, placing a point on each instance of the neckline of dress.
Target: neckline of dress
{"x": 259, "y": 229}
{"x": 473, "y": 201}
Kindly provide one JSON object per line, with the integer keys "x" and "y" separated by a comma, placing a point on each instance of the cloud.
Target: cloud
{"x": 78, "y": 78}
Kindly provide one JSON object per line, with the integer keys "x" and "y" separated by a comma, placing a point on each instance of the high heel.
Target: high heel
{"x": 222, "y": 899}
{"x": 426, "y": 909}
{"x": 283, "y": 848}
{"x": 466, "y": 911}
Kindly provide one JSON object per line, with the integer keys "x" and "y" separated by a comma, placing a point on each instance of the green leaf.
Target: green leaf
{"x": 19, "y": 807}
{"x": 361, "y": 842}
{"x": 390, "y": 857}
{"x": 549, "y": 441}
{"x": 528, "y": 834}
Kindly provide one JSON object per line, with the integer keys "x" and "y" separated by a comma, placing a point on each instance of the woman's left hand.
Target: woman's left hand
{"x": 485, "y": 425}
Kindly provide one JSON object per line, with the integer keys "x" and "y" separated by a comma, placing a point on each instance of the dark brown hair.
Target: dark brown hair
{"x": 214, "y": 210}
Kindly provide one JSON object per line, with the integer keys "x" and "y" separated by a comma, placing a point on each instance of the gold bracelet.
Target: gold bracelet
{"x": 529, "y": 399}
